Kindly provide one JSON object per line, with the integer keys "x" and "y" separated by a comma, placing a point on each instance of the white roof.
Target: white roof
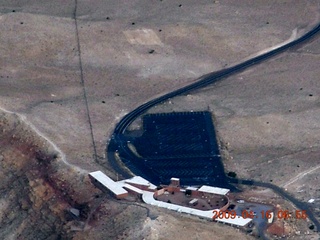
{"x": 214, "y": 190}
{"x": 108, "y": 182}
{"x": 175, "y": 179}
{"x": 192, "y": 188}
{"x": 193, "y": 201}
{"x": 147, "y": 197}
{"x": 133, "y": 188}
{"x": 141, "y": 181}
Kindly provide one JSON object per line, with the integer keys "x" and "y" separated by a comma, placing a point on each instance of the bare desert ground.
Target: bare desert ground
{"x": 73, "y": 80}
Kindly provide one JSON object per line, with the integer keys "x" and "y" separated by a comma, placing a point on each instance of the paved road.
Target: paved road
{"x": 299, "y": 204}
{"x": 118, "y": 143}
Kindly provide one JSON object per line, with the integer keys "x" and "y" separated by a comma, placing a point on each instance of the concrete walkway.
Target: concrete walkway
{"x": 147, "y": 197}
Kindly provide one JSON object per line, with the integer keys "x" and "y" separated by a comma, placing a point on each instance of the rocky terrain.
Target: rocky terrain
{"x": 37, "y": 187}
{"x": 44, "y": 197}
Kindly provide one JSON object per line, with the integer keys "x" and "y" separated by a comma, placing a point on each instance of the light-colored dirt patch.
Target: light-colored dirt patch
{"x": 169, "y": 227}
{"x": 142, "y": 37}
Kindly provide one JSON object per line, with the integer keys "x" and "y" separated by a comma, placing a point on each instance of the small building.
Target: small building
{"x": 192, "y": 188}
{"x": 191, "y": 191}
{"x": 214, "y": 190}
{"x": 103, "y": 182}
{"x": 175, "y": 182}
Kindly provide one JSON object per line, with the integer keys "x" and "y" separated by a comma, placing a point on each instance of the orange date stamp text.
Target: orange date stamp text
{"x": 280, "y": 214}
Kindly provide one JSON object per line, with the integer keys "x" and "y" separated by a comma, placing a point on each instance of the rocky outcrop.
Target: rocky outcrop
{"x": 37, "y": 187}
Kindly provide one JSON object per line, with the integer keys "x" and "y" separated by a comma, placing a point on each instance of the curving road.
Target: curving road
{"x": 118, "y": 142}
{"x": 209, "y": 79}
{"x": 300, "y": 205}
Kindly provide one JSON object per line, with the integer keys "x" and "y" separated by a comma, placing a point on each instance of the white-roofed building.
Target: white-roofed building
{"x": 147, "y": 191}
{"x": 214, "y": 190}
{"x": 103, "y": 181}
{"x": 141, "y": 183}
{"x": 175, "y": 181}
{"x": 192, "y": 188}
